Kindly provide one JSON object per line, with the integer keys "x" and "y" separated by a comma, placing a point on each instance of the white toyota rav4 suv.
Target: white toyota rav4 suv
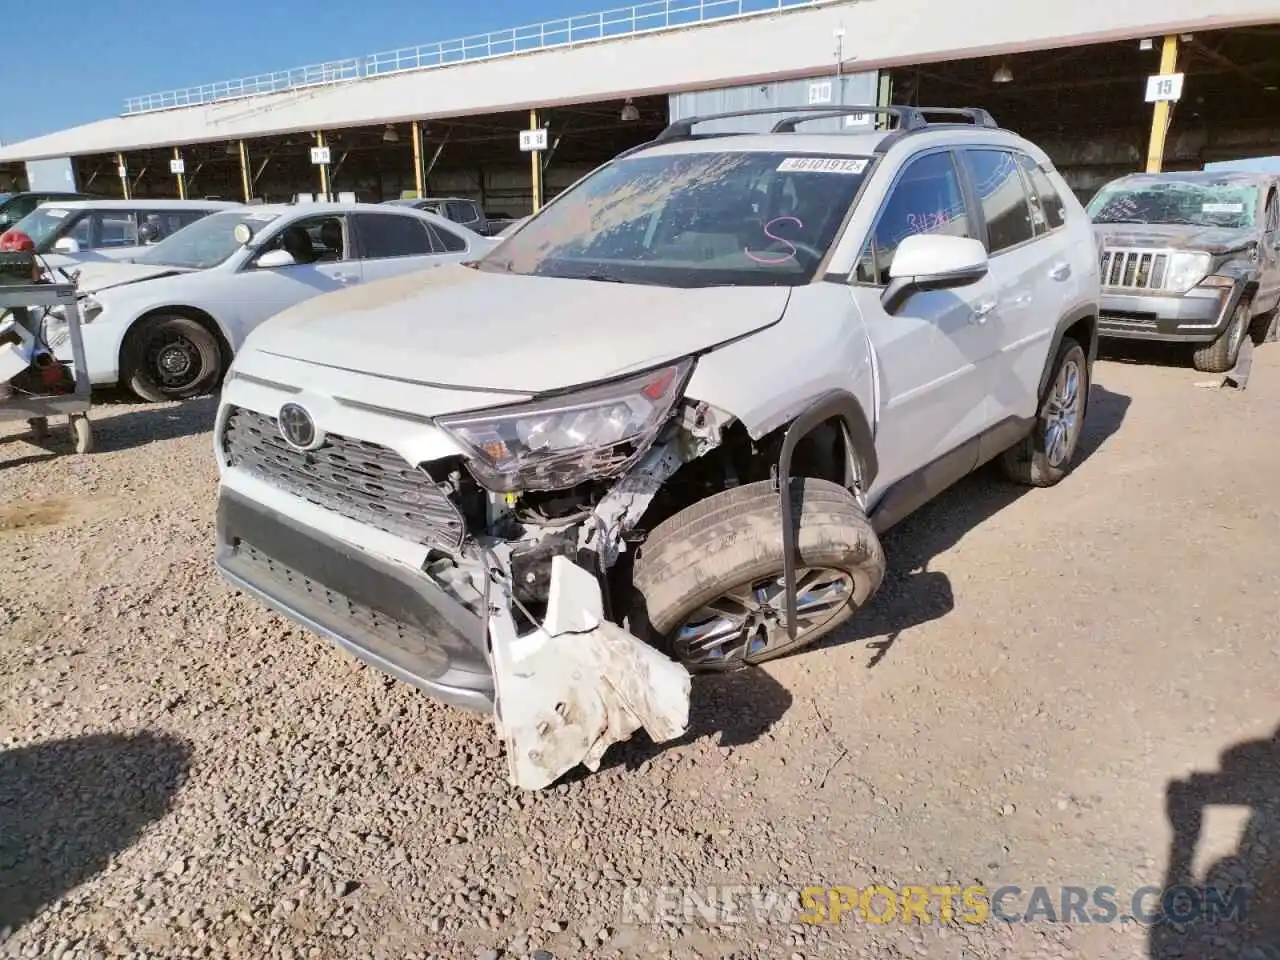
{"x": 659, "y": 428}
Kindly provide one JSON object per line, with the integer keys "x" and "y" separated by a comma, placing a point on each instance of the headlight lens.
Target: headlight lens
{"x": 559, "y": 442}
{"x": 1186, "y": 270}
{"x": 89, "y": 309}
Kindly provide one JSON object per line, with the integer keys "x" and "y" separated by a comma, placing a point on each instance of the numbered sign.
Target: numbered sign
{"x": 819, "y": 93}
{"x": 533, "y": 139}
{"x": 320, "y": 156}
{"x": 1165, "y": 87}
{"x": 177, "y": 166}
{"x": 857, "y": 120}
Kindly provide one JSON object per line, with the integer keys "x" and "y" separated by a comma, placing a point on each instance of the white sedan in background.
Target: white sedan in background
{"x": 168, "y": 324}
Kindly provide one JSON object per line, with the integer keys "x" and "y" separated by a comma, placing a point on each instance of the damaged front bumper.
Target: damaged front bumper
{"x": 561, "y": 694}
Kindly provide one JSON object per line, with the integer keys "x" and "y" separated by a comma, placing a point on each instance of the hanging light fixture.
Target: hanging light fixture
{"x": 630, "y": 112}
{"x": 1003, "y": 74}
{"x": 391, "y": 134}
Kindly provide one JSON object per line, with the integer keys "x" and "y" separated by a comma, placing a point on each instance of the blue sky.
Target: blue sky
{"x": 101, "y": 52}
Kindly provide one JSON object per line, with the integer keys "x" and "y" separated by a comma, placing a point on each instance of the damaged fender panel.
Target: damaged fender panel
{"x": 580, "y": 683}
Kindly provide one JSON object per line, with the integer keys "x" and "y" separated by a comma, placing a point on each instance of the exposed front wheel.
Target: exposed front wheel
{"x": 709, "y": 581}
{"x": 1044, "y": 457}
{"x": 1220, "y": 356}
{"x": 171, "y": 358}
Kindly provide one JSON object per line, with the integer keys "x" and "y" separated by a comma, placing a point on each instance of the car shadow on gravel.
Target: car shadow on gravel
{"x": 911, "y": 594}
{"x": 136, "y": 424}
{"x": 1146, "y": 354}
{"x": 1248, "y": 776}
{"x": 67, "y": 807}
{"x": 734, "y": 709}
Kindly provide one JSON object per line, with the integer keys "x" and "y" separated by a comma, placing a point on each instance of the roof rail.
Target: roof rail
{"x": 910, "y": 118}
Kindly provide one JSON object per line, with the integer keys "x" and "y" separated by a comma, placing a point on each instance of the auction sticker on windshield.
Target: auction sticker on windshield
{"x": 846, "y": 165}
{"x": 1222, "y": 208}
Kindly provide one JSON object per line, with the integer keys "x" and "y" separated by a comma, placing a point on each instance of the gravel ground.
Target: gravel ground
{"x": 185, "y": 775}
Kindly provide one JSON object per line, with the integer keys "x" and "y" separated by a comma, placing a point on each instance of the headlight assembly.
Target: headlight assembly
{"x": 1186, "y": 270}
{"x": 559, "y": 442}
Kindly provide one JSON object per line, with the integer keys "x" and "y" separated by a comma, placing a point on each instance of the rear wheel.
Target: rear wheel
{"x": 1044, "y": 457}
{"x": 171, "y": 357}
{"x": 709, "y": 581}
{"x": 1220, "y": 356}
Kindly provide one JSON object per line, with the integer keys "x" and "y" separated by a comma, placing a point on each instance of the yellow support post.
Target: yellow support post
{"x": 1163, "y": 112}
{"x": 124, "y": 174}
{"x": 535, "y": 165}
{"x": 182, "y": 177}
{"x": 324, "y": 168}
{"x": 245, "y": 179}
{"x": 417, "y": 160}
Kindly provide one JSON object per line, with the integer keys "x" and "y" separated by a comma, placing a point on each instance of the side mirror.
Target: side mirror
{"x": 276, "y": 258}
{"x": 67, "y": 245}
{"x": 933, "y": 262}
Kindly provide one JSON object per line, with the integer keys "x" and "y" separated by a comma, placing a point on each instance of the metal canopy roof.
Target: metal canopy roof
{"x": 795, "y": 41}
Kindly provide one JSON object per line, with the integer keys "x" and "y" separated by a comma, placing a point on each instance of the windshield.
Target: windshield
{"x": 42, "y": 225}
{"x": 691, "y": 220}
{"x": 1207, "y": 204}
{"x": 206, "y": 243}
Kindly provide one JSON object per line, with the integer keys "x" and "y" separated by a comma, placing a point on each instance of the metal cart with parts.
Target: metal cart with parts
{"x": 36, "y": 409}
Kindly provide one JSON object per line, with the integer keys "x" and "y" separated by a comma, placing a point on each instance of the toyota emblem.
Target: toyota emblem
{"x": 298, "y": 429}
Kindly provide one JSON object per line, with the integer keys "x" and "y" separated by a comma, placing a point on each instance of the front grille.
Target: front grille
{"x": 1134, "y": 269}
{"x": 364, "y": 481}
{"x": 365, "y": 625}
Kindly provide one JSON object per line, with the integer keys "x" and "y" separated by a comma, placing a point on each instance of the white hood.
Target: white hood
{"x": 454, "y": 326}
{"x": 93, "y": 277}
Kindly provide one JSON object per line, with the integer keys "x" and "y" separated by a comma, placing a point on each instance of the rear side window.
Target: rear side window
{"x": 1047, "y": 209}
{"x": 449, "y": 241}
{"x": 1004, "y": 199}
{"x": 927, "y": 198}
{"x": 460, "y": 212}
{"x": 388, "y": 235}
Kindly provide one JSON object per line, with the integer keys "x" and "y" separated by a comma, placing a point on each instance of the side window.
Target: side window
{"x": 1047, "y": 209}
{"x": 114, "y": 228}
{"x": 460, "y": 211}
{"x": 21, "y": 207}
{"x": 1004, "y": 199}
{"x": 448, "y": 241}
{"x": 79, "y": 230}
{"x": 390, "y": 235}
{"x": 926, "y": 199}
{"x": 312, "y": 240}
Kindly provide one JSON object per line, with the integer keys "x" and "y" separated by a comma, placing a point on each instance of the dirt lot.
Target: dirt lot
{"x": 182, "y": 774}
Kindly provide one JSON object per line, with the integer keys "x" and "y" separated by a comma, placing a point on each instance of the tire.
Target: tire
{"x": 1031, "y": 461}
{"x": 171, "y": 357}
{"x": 732, "y": 541}
{"x": 1220, "y": 356}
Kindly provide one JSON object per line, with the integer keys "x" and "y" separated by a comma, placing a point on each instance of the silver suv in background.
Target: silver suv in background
{"x": 660, "y": 428}
{"x": 1190, "y": 258}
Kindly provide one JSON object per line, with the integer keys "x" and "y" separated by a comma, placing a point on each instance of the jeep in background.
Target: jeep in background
{"x": 466, "y": 212}
{"x": 659, "y": 429}
{"x": 1190, "y": 258}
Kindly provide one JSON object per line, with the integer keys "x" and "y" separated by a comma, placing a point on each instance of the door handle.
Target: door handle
{"x": 1060, "y": 271}
{"x": 981, "y": 311}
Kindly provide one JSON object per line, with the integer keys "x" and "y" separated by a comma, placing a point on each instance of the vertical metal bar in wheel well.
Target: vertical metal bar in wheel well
{"x": 1163, "y": 112}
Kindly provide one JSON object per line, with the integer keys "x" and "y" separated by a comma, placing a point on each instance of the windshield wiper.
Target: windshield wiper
{"x": 600, "y": 278}
{"x": 1106, "y": 222}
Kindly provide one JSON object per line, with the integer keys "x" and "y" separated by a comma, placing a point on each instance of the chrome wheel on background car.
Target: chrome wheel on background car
{"x": 749, "y": 621}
